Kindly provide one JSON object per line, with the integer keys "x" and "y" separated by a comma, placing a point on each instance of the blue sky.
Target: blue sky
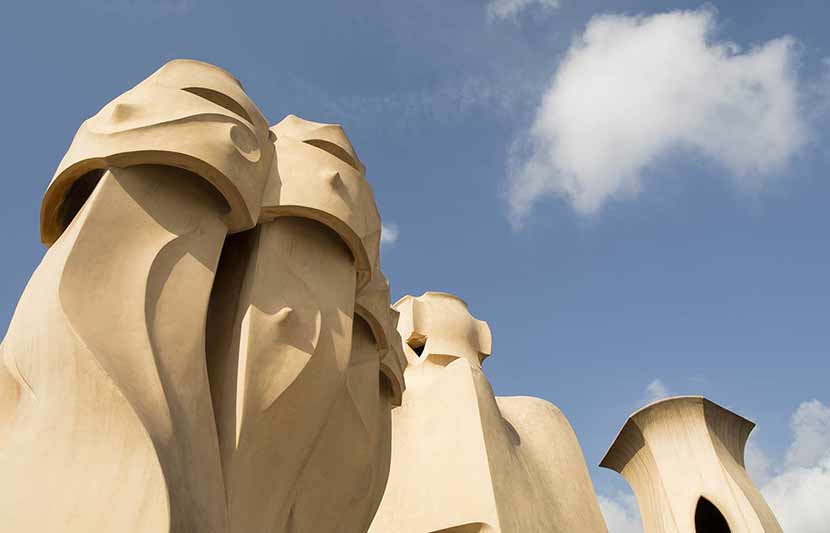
{"x": 632, "y": 194}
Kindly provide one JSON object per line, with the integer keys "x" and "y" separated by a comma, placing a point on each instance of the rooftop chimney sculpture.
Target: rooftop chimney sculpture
{"x": 177, "y": 358}
{"x": 684, "y": 458}
{"x": 208, "y": 346}
{"x": 465, "y": 461}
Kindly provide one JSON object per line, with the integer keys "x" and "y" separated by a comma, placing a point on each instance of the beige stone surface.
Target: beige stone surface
{"x": 209, "y": 329}
{"x": 683, "y": 456}
{"x": 278, "y": 373}
{"x": 318, "y": 176}
{"x": 342, "y": 485}
{"x": 466, "y": 461}
{"x": 109, "y": 422}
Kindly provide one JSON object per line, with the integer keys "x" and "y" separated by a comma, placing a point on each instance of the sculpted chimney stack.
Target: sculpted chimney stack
{"x": 684, "y": 458}
{"x": 465, "y": 461}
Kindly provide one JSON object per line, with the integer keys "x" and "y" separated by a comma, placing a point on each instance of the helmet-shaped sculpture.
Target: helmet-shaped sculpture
{"x": 189, "y": 115}
{"x": 109, "y": 335}
{"x": 283, "y": 362}
{"x": 318, "y": 176}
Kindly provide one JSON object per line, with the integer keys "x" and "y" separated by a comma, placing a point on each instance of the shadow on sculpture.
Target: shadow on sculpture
{"x": 466, "y": 528}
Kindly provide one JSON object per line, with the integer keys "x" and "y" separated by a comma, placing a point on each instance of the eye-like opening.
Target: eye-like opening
{"x": 708, "y": 519}
{"x": 417, "y": 343}
{"x": 77, "y": 195}
{"x": 221, "y": 100}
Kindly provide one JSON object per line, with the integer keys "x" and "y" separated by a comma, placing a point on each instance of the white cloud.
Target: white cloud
{"x": 758, "y": 465}
{"x": 621, "y": 513}
{"x": 811, "y": 427}
{"x": 656, "y": 390}
{"x": 799, "y": 498}
{"x": 504, "y": 9}
{"x": 799, "y": 493}
{"x": 388, "y": 233}
{"x": 632, "y": 89}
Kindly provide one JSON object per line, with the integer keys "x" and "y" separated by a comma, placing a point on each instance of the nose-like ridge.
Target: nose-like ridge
{"x": 318, "y": 175}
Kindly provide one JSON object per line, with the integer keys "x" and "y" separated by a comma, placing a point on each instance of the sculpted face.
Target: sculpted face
{"x": 222, "y": 358}
{"x": 281, "y": 365}
{"x": 317, "y": 175}
{"x": 189, "y": 115}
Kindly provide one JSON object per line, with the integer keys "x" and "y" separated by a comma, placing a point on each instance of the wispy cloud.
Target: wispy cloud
{"x": 757, "y": 464}
{"x": 811, "y": 427}
{"x": 156, "y": 7}
{"x": 798, "y": 491}
{"x": 656, "y": 390}
{"x": 509, "y": 9}
{"x": 621, "y": 513}
{"x": 632, "y": 89}
{"x": 388, "y": 233}
{"x": 503, "y": 96}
